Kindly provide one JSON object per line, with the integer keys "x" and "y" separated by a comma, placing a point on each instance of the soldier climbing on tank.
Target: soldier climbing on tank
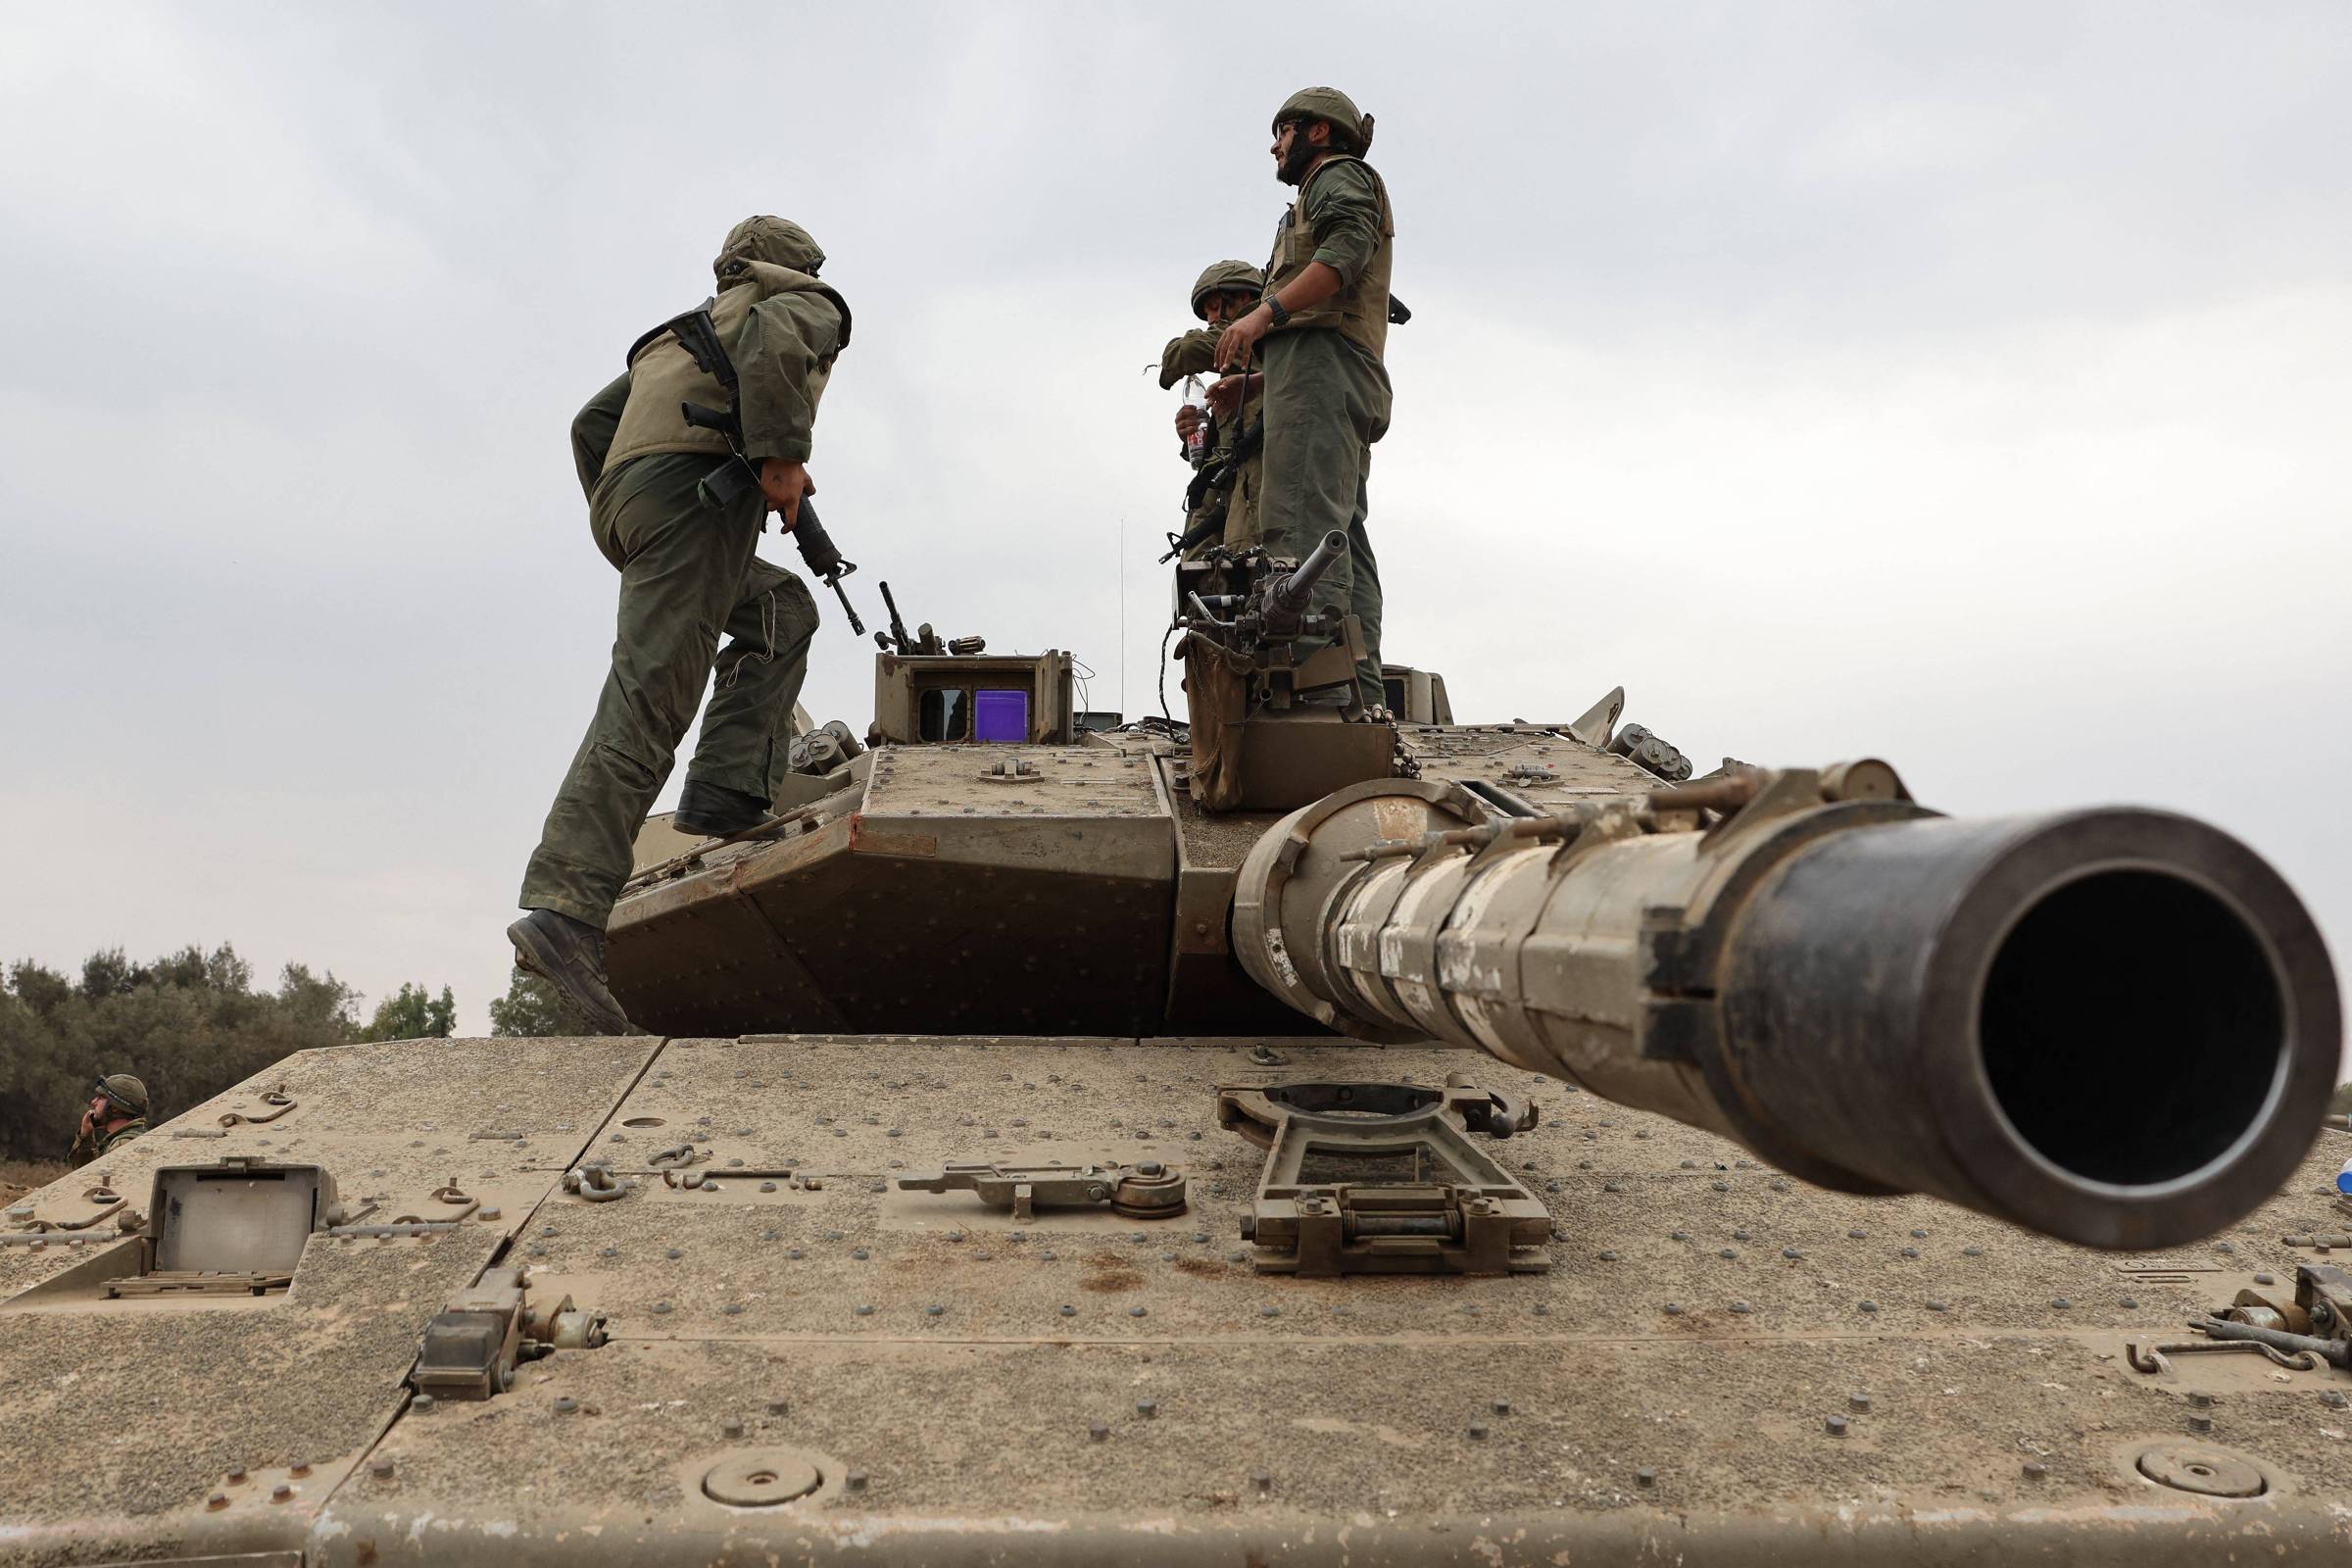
{"x": 1222, "y": 443}
{"x": 117, "y": 1113}
{"x": 678, "y": 496}
{"x": 1318, "y": 338}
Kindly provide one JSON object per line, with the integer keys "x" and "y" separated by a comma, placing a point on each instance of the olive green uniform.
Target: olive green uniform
{"x": 96, "y": 1144}
{"x": 688, "y": 573}
{"x": 1327, "y": 395}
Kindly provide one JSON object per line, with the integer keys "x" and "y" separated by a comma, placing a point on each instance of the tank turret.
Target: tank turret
{"x": 2117, "y": 1027}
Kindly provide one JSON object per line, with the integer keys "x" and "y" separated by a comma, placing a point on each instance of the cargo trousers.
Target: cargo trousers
{"x": 1326, "y": 401}
{"x": 687, "y": 573}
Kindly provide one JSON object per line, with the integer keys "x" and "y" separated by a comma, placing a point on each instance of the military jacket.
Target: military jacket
{"x": 1341, "y": 218}
{"x": 1195, "y": 353}
{"x": 98, "y": 1144}
{"x": 782, "y": 329}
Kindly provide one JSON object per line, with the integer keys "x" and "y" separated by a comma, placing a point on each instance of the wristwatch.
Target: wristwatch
{"x": 1282, "y": 318}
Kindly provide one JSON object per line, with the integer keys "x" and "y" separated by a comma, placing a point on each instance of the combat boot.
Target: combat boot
{"x": 569, "y": 954}
{"x": 714, "y": 811}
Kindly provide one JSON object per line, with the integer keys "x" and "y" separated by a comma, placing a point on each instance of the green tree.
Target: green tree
{"x": 40, "y": 989}
{"x": 108, "y": 973}
{"x": 189, "y": 1024}
{"x": 412, "y": 1013}
{"x": 323, "y": 1002}
{"x": 532, "y": 1007}
{"x": 192, "y": 968}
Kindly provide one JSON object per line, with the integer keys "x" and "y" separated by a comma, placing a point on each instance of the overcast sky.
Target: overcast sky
{"x": 1969, "y": 386}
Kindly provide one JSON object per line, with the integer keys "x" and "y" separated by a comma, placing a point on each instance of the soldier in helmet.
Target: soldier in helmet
{"x": 117, "y": 1113}
{"x": 1230, "y": 445}
{"x": 678, "y": 507}
{"x": 1318, "y": 336}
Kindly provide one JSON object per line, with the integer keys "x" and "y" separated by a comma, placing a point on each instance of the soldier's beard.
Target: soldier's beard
{"x": 1295, "y": 162}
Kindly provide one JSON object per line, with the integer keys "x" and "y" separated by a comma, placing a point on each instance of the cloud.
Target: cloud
{"x": 1962, "y": 387}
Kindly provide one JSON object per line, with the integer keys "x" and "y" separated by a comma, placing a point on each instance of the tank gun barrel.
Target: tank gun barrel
{"x": 2117, "y": 1027}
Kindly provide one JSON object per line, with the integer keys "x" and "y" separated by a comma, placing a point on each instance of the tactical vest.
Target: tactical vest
{"x": 1360, "y": 310}
{"x": 662, "y": 375}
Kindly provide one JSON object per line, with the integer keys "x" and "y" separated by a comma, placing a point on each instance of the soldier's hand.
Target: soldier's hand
{"x": 1225, "y": 395}
{"x": 784, "y": 482}
{"x": 1234, "y": 348}
{"x": 1188, "y": 420}
{"x": 89, "y": 1121}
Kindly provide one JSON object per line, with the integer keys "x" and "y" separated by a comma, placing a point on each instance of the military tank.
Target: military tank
{"x": 1307, "y": 1133}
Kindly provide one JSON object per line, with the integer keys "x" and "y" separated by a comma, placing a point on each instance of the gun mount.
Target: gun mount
{"x": 1270, "y": 683}
{"x": 1254, "y": 607}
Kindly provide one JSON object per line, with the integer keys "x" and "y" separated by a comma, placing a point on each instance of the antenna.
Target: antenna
{"x": 1122, "y": 584}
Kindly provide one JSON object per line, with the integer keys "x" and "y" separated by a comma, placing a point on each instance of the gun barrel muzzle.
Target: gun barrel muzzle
{"x": 2118, "y": 1027}
{"x": 1294, "y": 591}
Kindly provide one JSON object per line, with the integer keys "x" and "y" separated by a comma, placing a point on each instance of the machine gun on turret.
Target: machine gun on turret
{"x": 1254, "y": 608}
{"x": 922, "y": 640}
{"x": 1270, "y": 682}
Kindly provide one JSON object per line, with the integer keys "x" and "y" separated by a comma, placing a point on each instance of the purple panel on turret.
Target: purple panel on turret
{"x": 1001, "y": 716}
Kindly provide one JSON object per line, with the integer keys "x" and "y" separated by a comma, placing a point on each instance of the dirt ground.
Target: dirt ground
{"x": 18, "y": 1177}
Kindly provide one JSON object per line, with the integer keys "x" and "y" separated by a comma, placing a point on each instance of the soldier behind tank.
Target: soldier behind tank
{"x": 1318, "y": 336}
{"x": 117, "y": 1113}
{"x": 1222, "y": 294}
{"x": 687, "y": 571}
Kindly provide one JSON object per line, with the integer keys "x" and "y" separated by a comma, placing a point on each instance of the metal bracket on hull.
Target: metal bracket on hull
{"x": 1472, "y": 1218}
{"x": 1144, "y": 1191}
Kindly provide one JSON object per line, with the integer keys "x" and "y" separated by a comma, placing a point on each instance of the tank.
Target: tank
{"x": 1305, "y": 1133}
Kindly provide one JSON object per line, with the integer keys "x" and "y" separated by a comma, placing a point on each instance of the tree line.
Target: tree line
{"x": 193, "y": 1025}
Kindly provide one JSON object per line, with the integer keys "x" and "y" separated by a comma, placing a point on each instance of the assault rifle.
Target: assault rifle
{"x": 1217, "y": 477}
{"x": 699, "y": 338}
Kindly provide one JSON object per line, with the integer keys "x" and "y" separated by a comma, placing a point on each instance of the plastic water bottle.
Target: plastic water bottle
{"x": 1197, "y": 396}
{"x": 2343, "y": 1179}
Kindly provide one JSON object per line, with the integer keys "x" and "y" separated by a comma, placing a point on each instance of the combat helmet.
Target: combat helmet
{"x": 1331, "y": 105}
{"x": 1226, "y": 277}
{"x": 125, "y": 1091}
{"x": 775, "y": 240}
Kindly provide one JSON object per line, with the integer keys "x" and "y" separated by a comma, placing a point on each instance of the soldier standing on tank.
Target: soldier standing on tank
{"x": 1318, "y": 335}
{"x": 117, "y": 1113}
{"x": 687, "y": 571}
{"x": 1222, "y": 294}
